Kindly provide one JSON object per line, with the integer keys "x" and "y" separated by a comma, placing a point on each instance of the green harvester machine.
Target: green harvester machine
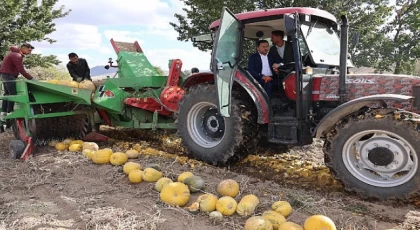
{"x": 135, "y": 97}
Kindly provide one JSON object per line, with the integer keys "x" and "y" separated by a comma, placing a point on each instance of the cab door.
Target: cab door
{"x": 227, "y": 51}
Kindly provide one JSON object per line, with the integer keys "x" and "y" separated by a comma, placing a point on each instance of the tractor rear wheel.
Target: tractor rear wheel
{"x": 208, "y": 136}
{"x": 376, "y": 157}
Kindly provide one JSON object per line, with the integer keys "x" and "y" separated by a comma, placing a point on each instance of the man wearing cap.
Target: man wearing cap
{"x": 78, "y": 68}
{"x": 10, "y": 69}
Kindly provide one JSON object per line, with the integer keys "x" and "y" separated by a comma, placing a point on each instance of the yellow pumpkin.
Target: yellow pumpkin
{"x": 226, "y": 205}
{"x": 90, "y": 145}
{"x": 130, "y": 166}
{"x": 258, "y": 223}
{"x": 176, "y": 194}
{"x": 135, "y": 176}
{"x": 118, "y": 158}
{"x": 60, "y": 146}
{"x": 86, "y": 152}
{"x": 247, "y": 205}
{"x": 132, "y": 153}
{"x": 162, "y": 182}
{"x": 274, "y": 217}
{"x": 184, "y": 176}
{"x": 282, "y": 207}
{"x": 228, "y": 187}
{"x": 289, "y": 226}
{"x": 75, "y": 148}
{"x": 101, "y": 156}
{"x": 151, "y": 175}
{"x": 80, "y": 142}
{"x": 319, "y": 222}
{"x": 207, "y": 202}
{"x": 90, "y": 154}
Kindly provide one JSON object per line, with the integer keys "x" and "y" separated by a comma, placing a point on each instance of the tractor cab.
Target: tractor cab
{"x": 311, "y": 46}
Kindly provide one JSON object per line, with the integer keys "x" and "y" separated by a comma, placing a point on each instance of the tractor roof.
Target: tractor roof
{"x": 260, "y": 14}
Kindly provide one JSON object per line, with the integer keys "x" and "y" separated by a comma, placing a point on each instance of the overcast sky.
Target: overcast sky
{"x": 92, "y": 23}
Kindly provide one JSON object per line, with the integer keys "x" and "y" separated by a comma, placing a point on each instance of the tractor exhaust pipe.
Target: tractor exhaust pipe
{"x": 343, "y": 58}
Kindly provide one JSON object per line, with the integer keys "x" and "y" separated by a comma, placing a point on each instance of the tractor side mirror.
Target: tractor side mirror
{"x": 289, "y": 24}
{"x": 106, "y": 67}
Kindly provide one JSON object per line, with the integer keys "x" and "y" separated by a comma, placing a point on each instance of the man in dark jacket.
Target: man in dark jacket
{"x": 260, "y": 66}
{"x": 10, "y": 68}
{"x": 78, "y": 68}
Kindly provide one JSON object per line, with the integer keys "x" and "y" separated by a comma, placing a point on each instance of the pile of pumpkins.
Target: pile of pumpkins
{"x": 178, "y": 193}
{"x": 74, "y": 84}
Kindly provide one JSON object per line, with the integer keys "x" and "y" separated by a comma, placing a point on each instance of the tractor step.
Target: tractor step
{"x": 288, "y": 131}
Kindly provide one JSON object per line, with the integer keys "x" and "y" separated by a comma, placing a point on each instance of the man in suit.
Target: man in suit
{"x": 260, "y": 66}
{"x": 277, "y": 52}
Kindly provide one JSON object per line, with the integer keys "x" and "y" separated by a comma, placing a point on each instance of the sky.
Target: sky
{"x": 90, "y": 25}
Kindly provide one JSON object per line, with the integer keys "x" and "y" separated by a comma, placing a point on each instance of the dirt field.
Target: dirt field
{"x": 56, "y": 190}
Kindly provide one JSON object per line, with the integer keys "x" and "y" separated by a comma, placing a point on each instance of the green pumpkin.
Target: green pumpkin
{"x": 194, "y": 183}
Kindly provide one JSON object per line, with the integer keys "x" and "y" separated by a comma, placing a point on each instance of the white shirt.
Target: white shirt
{"x": 280, "y": 50}
{"x": 266, "y": 70}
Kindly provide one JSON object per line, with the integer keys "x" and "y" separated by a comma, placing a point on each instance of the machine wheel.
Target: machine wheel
{"x": 376, "y": 157}
{"x": 16, "y": 148}
{"x": 210, "y": 137}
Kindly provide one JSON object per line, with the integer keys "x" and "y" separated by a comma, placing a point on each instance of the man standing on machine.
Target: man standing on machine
{"x": 277, "y": 52}
{"x": 10, "y": 69}
{"x": 78, "y": 68}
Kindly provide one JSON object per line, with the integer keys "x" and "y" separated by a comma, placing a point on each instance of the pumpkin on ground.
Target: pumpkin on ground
{"x": 118, "y": 158}
{"x": 154, "y": 166}
{"x": 282, "y": 207}
{"x": 207, "y": 202}
{"x": 274, "y": 217}
{"x": 80, "y": 142}
{"x": 247, "y": 205}
{"x": 132, "y": 153}
{"x": 194, "y": 208}
{"x": 52, "y": 143}
{"x": 194, "y": 183}
{"x": 67, "y": 141}
{"x": 90, "y": 145}
{"x": 226, "y": 205}
{"x": 319, "y": 222}
{"x": 130, "y": 166}
{"x": 216, "y": 217}
{"x": 176, "y": 194}
{"x": 184, "y": 176}
{"x": 258, "y": 223}
{"x": 135, "y": 176}
{"x": 228, "y": 187}
{"x": 60, "y": 146}
{"x": 86, "y": 152}
{"x": 151, "y": 175}
{"x": 75, "y": 148}
{"x": 162, "y": 182}
{"x": 101, "y": 156}
{"x": 289, "y": 226}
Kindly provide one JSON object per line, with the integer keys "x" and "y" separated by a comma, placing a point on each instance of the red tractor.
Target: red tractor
{"x": 368, "y": 122}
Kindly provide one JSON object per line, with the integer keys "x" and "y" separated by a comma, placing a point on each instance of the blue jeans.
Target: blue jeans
{"x": 9, "y": 85}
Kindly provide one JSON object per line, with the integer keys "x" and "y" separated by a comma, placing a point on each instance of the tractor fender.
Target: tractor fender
{"x": 329, "y": 121}
{"x": 246, "y": 82}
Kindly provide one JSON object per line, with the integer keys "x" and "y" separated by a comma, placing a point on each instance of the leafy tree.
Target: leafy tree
{"x": 365, "y": 16}
{"x": 400, "y": 39}
{"x": 49, "y": 73}
{"x": 160, "y": 71}
{"x": 35, "y": 60}
{"x": 25, "y": 21}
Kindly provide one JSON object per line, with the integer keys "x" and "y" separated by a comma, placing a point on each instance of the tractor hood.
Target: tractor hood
{"x": 360, "y": 85}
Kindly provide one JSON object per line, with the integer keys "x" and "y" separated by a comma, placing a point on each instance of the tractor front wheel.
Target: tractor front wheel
{"x": 376, "y": 157}
{"x": 207, "y": 135}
